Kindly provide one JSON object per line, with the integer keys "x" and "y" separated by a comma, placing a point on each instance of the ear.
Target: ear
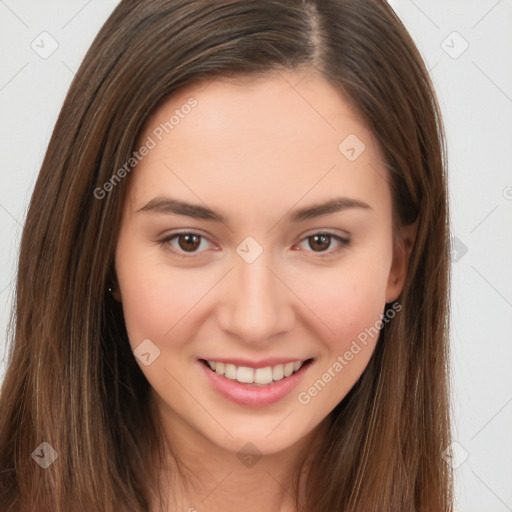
{"x": 114, "y": 285}
{"x": 116, "y": 292}
{"x": 404, "y": 242}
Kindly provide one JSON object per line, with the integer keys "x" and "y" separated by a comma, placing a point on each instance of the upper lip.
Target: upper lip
{"x": 263, "y": 363}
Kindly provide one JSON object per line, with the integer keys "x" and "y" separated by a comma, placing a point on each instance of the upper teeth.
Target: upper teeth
{"x": 261, "y": 376}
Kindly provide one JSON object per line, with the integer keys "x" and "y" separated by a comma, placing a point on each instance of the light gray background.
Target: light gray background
{"x": 475, "y": 91}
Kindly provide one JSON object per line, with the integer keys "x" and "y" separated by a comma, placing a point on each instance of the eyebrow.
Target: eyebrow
{"x": 169, "y": 205}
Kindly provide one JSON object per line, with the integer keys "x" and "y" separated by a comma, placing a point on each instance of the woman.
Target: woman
{"x": 233, "y": 277}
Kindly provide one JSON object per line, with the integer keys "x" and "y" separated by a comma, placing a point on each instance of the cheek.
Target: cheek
{"x": 350, "y": 303}
{"x": 347, "y": 300}
{"x": 155, "y": 298}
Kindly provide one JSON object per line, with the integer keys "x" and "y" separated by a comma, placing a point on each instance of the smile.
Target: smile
{"x": 247, "y": 385}
{"x": 258, "y": 376}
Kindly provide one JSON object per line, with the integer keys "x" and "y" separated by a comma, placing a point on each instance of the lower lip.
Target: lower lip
{"x": 250, "y": 395}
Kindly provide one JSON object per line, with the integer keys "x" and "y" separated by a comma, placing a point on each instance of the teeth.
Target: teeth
{"x": 288, "y": 369}
{"x": 278, "y": 372}
{"x": 244, "y": 374}
{"x": 261, "y": 376}
{"x": 230, "y": 371}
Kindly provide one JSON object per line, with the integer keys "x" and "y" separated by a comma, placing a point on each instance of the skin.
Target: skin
{"x": 254, "y": 151}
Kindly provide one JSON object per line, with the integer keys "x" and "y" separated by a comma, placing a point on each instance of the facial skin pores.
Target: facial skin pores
{"x": 256, "y": 245}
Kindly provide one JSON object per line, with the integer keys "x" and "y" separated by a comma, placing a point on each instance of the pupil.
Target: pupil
{"x": 317, "y": 242}
{"x": 191, "y": 242}
{"x": 323, "y": 238}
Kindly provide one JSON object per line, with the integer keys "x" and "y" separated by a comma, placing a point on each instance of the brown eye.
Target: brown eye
{"x": 188, "y": 242}
{"x": 319, "y": 242}
{"x": 185, "y": 244}
{"x": 324, "y": 244}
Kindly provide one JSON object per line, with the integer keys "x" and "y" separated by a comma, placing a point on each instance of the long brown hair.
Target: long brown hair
{"x": 72, "y": 380}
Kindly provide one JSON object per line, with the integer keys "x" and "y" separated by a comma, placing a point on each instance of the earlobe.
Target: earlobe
{"x": 401, "y": 255}
{"x": 115, "y": 292}
{"x": 113, "y": 286}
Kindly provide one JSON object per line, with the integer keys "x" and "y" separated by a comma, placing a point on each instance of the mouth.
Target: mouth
{"x": 256, "y": 375}
{"x": 254, "y": 384}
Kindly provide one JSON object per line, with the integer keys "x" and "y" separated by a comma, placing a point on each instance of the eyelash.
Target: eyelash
{"x": 343, "y": 242}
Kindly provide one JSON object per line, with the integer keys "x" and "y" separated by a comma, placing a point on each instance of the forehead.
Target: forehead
{"x": 275, "y": 137}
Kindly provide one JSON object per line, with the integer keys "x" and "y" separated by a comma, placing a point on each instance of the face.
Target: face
{"x": 257, "y": 235}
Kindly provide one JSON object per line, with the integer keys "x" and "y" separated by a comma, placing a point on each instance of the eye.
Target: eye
{"x": 183, "y": 244}
{"x": 320, "y": 242}
{"x": 188, "y": 243}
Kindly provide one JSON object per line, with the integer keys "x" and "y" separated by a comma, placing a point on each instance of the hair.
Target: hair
{"x": 71, "y": 378}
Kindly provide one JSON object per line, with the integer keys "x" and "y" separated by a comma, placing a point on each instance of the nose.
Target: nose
{"x": 256, "y": 302}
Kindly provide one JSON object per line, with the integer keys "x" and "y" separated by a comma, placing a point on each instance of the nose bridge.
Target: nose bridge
{"x": 255, "y": 307}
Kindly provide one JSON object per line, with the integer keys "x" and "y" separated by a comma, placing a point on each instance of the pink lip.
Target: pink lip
{"x": 251, "y": 395}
